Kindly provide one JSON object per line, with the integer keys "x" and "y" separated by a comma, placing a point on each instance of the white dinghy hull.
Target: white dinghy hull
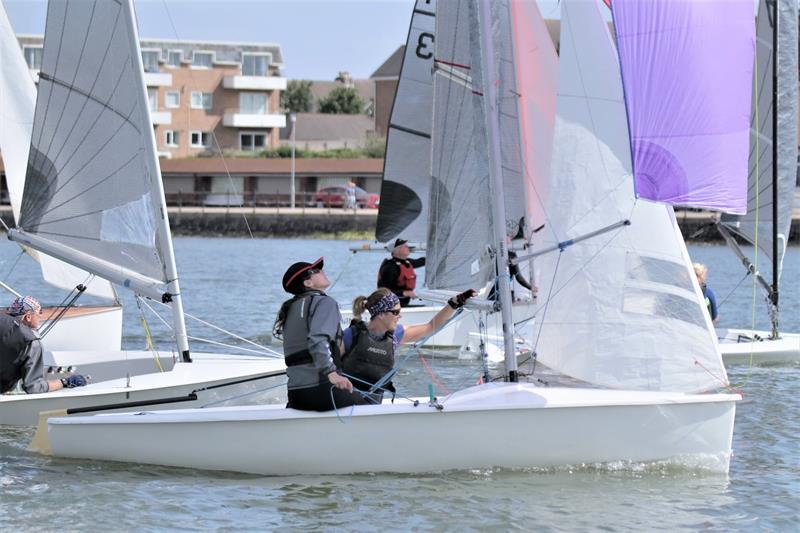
{"x": 206, "y": 370}
{"x": 497, "y": 425}
{"x": 743, "y": 347}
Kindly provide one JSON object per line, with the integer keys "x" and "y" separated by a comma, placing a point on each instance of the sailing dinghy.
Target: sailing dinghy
{"x": 771, "y": 184}
{"x": 646, "y": 390}
{"x": 93, "y": 198}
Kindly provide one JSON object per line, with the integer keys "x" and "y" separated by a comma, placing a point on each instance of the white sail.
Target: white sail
{"x": 758, "y": 226}
{"x": 460, "y": 218}
{"x": 624, "y": 309}
{"x": 17, "y": 104}
{"x": 406, "y": 176}
{"x": 93, "y": 183}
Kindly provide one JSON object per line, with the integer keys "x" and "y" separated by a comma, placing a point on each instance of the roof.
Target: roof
{"x": 260, "y": 165}
{"x": 391, "y": 67}
{"x": 328, "y": 127}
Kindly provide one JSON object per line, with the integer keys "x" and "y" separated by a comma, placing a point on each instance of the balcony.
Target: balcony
{"x": 235, "y": 118}
{"x": 161, "y": 117}
{"x": 255, "y": 83}
{"x": 157, "y": 79}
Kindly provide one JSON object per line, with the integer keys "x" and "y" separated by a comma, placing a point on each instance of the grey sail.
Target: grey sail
{"x": 460, "y": 210}
{"x": 758, "y": 226}
{"x": 406, "y": 174}
{"x": 93, "y": 185}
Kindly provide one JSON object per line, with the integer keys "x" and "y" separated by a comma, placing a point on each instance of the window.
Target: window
{"x": 202, "y": 100}
{"x": 173, "y": 99}
{"x": 252, "y": 142}
{"x": 202, "y": 59}
{"x": 150, "y": 60}
{"x": 33, "y": 57}
{"x": 173, "y": 138}
{"x": 255, "y": 64}
{"x": 253, "y": 103}
{"x": 152, "y": 99}
{"x": 174, "y": 58}
{"x": 201, "y": 138}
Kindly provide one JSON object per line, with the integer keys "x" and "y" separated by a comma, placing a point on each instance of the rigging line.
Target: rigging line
{"x": 225, "y": 345}
{"x": 74, "y": 77}
{"x": 733, "y": 290}
{"x": 146, "y": 304}
{"x": 214, "y": 135}
{"x": 534, "y": 355}
{"x": 14, "y": 265}
{"x": 151, "y": 345}
{"x": 265, "y": 349}
{"x": 51, "y": 179}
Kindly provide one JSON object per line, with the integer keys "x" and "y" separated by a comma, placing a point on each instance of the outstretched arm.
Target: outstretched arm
{"x": 420, "y": 331}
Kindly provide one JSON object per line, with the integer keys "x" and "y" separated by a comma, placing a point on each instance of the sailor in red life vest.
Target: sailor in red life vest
{"x": 397, "y": 272}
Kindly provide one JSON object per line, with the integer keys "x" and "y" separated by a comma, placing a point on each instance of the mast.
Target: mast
{"x": 775, "y": 266}
{"x": 495, "y": 168}
{"x": 173, "y": 295}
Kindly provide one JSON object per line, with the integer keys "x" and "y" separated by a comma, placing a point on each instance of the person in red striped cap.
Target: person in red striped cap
{"x": 21, "y": 350}
{"x": 309, "y": 324}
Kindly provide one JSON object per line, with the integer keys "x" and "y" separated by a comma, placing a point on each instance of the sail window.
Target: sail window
{"x": 174, "y": 58}
{"x": 173, "y": 99}
{"x": 33, "y": 57}
{"x": 200, "y": 138}
{"x": 650, "y": 269}
{"x": 131, "y": 223}
{"x": 255, "y": 64}
{"x": 252, "y": 142}
{"x": 202, "y": 100}
{"x": 661, "y": 304}
{"x": 202, "y": 59}
{"x": 150, "y": 60}
{"x": 172, "y": 138}
{"x": 253, "y": 103}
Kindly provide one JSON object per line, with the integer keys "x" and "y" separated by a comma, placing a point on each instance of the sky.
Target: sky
{"x": 318, "y": 38}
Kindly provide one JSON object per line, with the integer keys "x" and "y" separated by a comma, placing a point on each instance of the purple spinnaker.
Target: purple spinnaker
{"x": 687, "y": 70}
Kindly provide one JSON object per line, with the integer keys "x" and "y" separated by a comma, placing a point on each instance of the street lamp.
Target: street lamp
{"x": 293, "y": 120}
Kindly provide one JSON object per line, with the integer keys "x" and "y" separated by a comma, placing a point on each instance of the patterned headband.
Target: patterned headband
{"x": 385, "y": 304}
{"x": 23, "y": 304}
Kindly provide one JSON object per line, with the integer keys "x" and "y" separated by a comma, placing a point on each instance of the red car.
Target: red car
{"x": 335, "y": 197}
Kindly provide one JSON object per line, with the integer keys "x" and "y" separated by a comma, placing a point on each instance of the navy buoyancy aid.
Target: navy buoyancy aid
{"x": 407, "y": 280}
{"x": 14, "y": 338}
{"x": 368, "y": 359}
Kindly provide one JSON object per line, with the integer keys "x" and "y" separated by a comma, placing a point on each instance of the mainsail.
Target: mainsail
{"x": 758, "y": 226}
{"x": 406, "y": 175}
{"x": 687, "y": 75}
{"x": 17, "y": 104}
{"x": 93, "y": 193}
{"x": 460, "y": 225}
{"x": 623, "y": 308}
{"x": 93, "y": 182}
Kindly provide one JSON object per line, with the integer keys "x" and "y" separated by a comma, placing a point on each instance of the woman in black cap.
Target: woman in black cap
{"x": 309, "y": 324}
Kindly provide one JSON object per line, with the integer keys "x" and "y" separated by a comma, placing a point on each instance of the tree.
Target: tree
{"x": 342, "y": 101}
{"x": 297, "y": 97}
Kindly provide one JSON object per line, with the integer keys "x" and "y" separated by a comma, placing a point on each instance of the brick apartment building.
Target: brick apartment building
{"x": 196, "y": 89}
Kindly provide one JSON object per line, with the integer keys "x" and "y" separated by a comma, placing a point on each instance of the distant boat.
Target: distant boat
{"x": 771, "y": 183}
{"x": 495, "y": 85}
{"x": 93, "y": 198}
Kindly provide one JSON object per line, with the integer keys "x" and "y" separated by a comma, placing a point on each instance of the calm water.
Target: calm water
{"x": 235, "y": 283}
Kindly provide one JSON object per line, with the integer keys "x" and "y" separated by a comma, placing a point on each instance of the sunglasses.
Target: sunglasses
{"x": 312, "y": 271}
{"x": 395, "y": 312}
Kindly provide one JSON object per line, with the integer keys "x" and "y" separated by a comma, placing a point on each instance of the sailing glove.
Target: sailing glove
{"x": 458, "y": 301}
{"x": 75, "y": 380}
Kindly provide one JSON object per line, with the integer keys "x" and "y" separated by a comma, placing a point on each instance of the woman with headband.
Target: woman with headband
{"x": 368, "y": 348}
